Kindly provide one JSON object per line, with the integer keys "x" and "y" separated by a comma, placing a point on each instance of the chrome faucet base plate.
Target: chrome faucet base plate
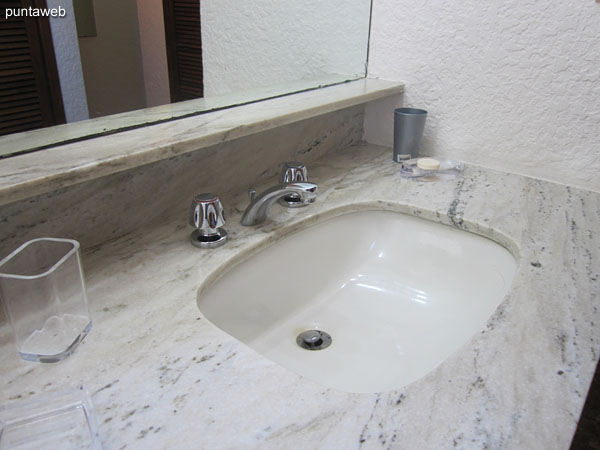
{"x": 292, "y": 201}
{"x": 209, "y": 241}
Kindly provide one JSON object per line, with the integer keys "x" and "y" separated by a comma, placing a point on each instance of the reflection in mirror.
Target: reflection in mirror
{"x": 109, "y": 65}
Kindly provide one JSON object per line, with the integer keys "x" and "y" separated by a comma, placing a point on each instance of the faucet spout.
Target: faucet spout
{"x": 259, "y": 207}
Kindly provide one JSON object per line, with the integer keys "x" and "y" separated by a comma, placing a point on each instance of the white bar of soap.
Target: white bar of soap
{"x": 428, "y": 164}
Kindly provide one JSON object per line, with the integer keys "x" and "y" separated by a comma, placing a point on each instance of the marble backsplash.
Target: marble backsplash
{"x": 107, "y": 208}
{"x": 131, "y": 201}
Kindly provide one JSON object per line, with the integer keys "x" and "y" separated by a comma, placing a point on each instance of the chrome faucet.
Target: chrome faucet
{"x": 259, "y": 206}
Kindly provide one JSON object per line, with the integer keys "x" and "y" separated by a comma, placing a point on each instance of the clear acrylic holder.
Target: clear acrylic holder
{"x": 59, "y": 420}
{"x": 43, "y": 293}
{"x": 449, "y": 169}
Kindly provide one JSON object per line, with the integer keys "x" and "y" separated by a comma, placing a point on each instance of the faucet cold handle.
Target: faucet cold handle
{"x": 293, "y": 172}
{"x": 207, "y": 216}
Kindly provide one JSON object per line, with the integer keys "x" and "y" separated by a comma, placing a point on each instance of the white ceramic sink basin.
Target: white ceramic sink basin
{"x": 397, "y": 294}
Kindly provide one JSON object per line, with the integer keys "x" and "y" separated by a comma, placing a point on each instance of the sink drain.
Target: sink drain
{"x": 313, "y": 340}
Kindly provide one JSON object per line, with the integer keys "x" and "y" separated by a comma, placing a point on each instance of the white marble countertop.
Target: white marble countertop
{"x": 162, "y": 376}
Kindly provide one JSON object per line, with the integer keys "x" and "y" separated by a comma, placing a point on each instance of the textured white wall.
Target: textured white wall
{"x": 66, "y": 52}
{"x": 247, "y": 45}
{"x": 154, "y": 52}
{"x": 513, "y": 85}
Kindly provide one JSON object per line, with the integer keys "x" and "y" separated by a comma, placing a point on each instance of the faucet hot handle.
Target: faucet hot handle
{"x": 294, "y": 172}
{"x": 207, "y": 217}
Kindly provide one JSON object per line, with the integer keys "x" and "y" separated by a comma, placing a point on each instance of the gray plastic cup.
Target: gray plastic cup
{"x": 409, "y": 124}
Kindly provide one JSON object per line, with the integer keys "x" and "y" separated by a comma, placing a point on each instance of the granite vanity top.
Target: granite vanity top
{"x": 162, "y": 376}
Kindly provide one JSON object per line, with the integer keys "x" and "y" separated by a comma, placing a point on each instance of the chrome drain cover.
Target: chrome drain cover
{"x": 313, "y": 340}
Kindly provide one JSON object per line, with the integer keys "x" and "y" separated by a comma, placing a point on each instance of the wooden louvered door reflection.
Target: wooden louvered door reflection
{"x": 184, "y": 48}
{"x": 30, "y": 95}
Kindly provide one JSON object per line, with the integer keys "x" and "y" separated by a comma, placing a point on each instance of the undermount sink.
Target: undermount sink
{"x": 397, "y": 294}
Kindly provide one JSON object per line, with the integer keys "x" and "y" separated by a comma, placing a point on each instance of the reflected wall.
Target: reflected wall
{"x": 250, "y": 45}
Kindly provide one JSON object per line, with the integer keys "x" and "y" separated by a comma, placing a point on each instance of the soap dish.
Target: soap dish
{"x": 449, "y": 168}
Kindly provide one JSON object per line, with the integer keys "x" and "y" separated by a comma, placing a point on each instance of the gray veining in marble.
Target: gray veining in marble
{"x": 36, "y": 173}
{"x": 106, "y": 208}
{"x": 55, "y": 135}
{"x": 162, "y": 376}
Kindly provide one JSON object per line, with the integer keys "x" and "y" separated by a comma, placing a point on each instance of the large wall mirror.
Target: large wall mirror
{"x": 103, "y": 66}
